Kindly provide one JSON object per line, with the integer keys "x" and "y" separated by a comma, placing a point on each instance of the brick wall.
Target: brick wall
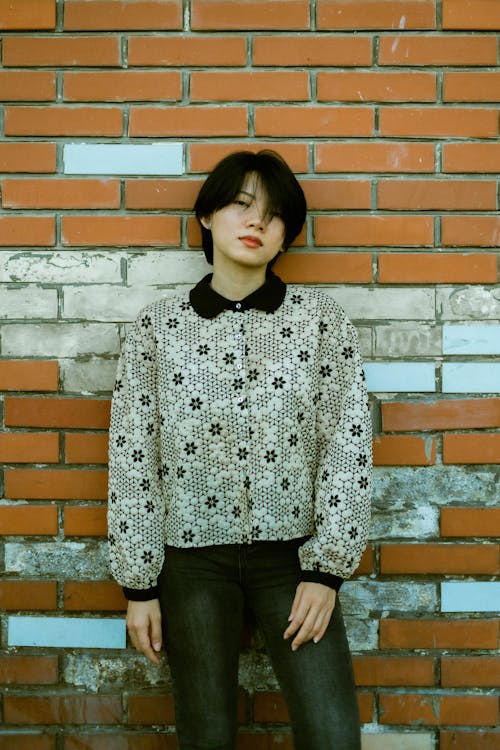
{"x": 388, "y": 111}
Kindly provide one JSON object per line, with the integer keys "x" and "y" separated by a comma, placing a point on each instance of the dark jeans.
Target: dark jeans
{"x": 203, "y": 594}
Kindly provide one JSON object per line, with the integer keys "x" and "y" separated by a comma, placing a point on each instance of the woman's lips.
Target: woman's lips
{"x": 251, "y": 241}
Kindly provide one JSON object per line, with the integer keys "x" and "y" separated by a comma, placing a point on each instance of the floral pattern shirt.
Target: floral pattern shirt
{"x": 239, "y": 421}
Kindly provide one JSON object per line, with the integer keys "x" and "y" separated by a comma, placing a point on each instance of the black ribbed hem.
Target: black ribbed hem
{"x": 327, "y": 579}
{"x": 140, "y": 595}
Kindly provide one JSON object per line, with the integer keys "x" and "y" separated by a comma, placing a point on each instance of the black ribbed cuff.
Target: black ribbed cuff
{"x": 140, "y": 595}
{"x": 327, "y": 579}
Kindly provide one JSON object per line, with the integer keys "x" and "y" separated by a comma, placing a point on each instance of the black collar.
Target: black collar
{"x": 208, "y": 303}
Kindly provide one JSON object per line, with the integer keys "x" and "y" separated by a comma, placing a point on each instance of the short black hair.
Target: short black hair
{"x": 285, "y": 196}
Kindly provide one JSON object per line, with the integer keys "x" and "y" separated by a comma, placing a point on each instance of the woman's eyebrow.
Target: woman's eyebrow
{"x": 245, "y": 192}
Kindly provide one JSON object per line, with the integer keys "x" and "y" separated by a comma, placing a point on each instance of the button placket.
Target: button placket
{"x": 242, "y": 402}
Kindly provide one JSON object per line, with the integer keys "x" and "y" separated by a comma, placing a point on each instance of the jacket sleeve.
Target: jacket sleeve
{"x": 135, "y": 503}
{"x": 344, "y": 451}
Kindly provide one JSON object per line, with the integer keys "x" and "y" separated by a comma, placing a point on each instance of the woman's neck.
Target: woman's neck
{"x": 236, "y": 286}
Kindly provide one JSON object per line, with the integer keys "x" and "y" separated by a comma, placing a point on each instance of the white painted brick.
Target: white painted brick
{"x": 96, "y": 672}
{"x": 404, "y": 377}
{"x": 60, "y": 267}
{"x": 365, "y": 340}
{"x": 468, "y": 303}
{"x": 471, "y": 339}
{"x": 28, "y": 302}
{"x": 167, "y": 267}
{"x": 397, "y": 741}
{"x": 361, "y": 303}
{"x": 407, "y": 340}
{"x": 126, "y": 158}
{"x": 464, "y": 596}
{"x": 364, "y": 596}
{"x": 106, "y": 302}
{"x": 471, "y": 377}
{"x": 66, "y": 632}
{"x": 59, "y": 339}
{"x": 362, "y": 633}
{"x": 95, "y": 376}
{"x": 84, "y": 560}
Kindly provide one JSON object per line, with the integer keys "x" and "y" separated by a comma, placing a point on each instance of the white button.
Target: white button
{"x": 238, "y": 305}
{"x": 239, "y": 366}
{"x": 237, "y": 335}
{"x": 241, "y": 399}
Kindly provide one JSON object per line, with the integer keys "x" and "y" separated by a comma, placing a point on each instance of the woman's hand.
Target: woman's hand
{"x": 310, "y": 614}
{"x": 144, "y": 627}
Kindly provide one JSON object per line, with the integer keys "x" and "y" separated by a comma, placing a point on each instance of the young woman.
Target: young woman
{"x": 240, "y": 458}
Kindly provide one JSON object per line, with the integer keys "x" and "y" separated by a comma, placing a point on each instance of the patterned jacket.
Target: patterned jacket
{"x": 236, "y": 422}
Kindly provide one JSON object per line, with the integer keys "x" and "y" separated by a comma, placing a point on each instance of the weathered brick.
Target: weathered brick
{"x": 394, "y": 670}
{"x": 60, "y": 267}
{"x": 59, "y": 340}
{"x": 436, "y": 710}
{"x": 28, "y": 302}
{"x": 392, "y": 450}
{"x": 28, "y": 670}
{"x": 66, "y": 709}
{"x": 151, "y": 709}
{"x": 27, "y": 742}
{"x": 470, "y": 671}
{"x": 406, "y": 340}
{"x": 469, "y": 740}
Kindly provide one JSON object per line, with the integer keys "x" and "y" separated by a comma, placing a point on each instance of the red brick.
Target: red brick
{"x": 151, "y": 709}
{"x": 434, "y": 268}
{"x": 115, "y": 14}
{"x": 393, "y": 450}
{"x": 438, "y": 50}
{"x": 249, "y": 14}
{"x": 85, "y": 521}
{"x": 97, "y": 596}
{"x": 377, "y": 87}
{"x": 471, "y": 157}
{"x": 446, "y": 633}
{"x": 354, "y": 231}
{"x": 194, "y": 235}
{"x": 27, "y": 520}
{"x": 207, "y": 86}
{"x": 461, "y": 559}
{"x": 449, "y": 195}
{"x": 326, "y": 268}
{"x": 84, "y": 448}
{"x": 313, "y": 121}
{"x": 63, "y": 121}
{"x": 111, "y": 231}
{"x": 188, "y": 121}
{"x": 28, "y": 595}
{"x": 471, "y": 87}
{"x": 382, "y": 14}
{"x": 470, "y": 522}
{"x": 28, "y": 670}
{"x": 186, "y": 51}
{"x": 155, "y": 194}
{"x": 482, "y": 740}
{"x": 437, "y": 710}
{"x": 27, "y": 14}
{"x": 204, "y": 156}
{"x": 270, "y": 707}
{"x": 394, "y": 670}
{"x": 312, "y": 49}
{"x": 19, "y": 231}
{"x": 27, "y": 157}
{"x": 28, "y": 375}
{"x": 56, "y": 484}
{"x": 441, "y": 415}
{"x": 374, "y": 157}
{"x": 478, "y": 231}
{"x": 131, "y": 741}
{"x": 27, "y": 742}
{"x": 60, "y": 193}
{"x": 29, "y": 447}
{"x": 337, "y": 194}
{"x": 470, "y": 671}
{"x": 119, "y": 86}
{"x": 83, "y": 413}
{"x": 438, "y": 122}
{"x": 471, "y": 14}
{"x": 63, "y": 709}
{"x": 58, "y": 51}
{"x": 471, "y": 448}
{"x": 21, "y": 86}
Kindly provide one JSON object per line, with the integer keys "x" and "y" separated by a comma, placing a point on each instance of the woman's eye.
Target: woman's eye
{"x": 241, "y": 203}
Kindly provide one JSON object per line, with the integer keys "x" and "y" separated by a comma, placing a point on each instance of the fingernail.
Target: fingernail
{"x": 157, "y": 646}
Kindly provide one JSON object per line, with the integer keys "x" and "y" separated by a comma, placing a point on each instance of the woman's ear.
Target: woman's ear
{"x": 206, "y": 222}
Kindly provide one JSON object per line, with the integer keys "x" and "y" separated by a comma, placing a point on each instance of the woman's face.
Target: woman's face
{"x": 243, "y": 232}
